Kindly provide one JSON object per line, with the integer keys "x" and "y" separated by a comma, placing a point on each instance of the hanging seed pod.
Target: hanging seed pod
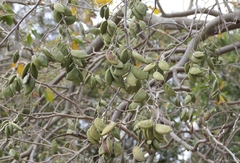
{"x": 109, "y": 143}
{"x": 198, "y": 54}
{"x": 103, "y": 27}
{"x": 99, "y": 124}
{"x": 29, "y": 86}
{"x": 158, "y": 136}
{"x": 136, "y": 14}
{"x": 94, "y": 133}
{"x": 70, "y": 19}
{"x": 93, "y": 141}
{"x": 106, "y": 13}
{"x": 210, "y": 63}
{"x": 11, "y": 79}
{"x": 163, "y": 65}
{"x": 108, "y": 128}
{"x": 25, "y": 70}
{"x": 187, "y": 99}
{"x": 15, "y": 57}
{"x": 108, "y": 77}
{"x": 131, "y": 79}
{"x": 117, "y": 149}
{"x": 194, "y": 71}
{"x": 112, "y": 57}
{"x": 140, "y": 96}
{"x": 207, "y": 115}
{"x": 138, "y": 154}
{"x": 196, "y": 60}
{"x": 158, "y": 76}
{"x": 149, "y": 133}
{"x": 57, "y": 16}
{"x": 138, "y": 73}
{"x": 102, "y": 10}
{"x": 163, "y": 129}
{"x": 149, "y": 67}
{"x": 155, "y": 144}
{"x": 141, "y": 8}
{"x": 187, "y": 67}
{"x": 58, "y": 7}
{"x": 79, "y": 54}
{"x": 145, "y": 124}
{"x": 34, "y": 70}
{"x": 101, "y": 150}
{"x": 138, "y": 57}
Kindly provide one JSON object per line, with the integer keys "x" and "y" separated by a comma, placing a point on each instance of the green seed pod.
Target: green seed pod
{"x": 112, "y": 57}
{"x": 138, "y": 154}
{"x": 155, "y": 144}
{"x": 99, "y": 124}
{"x": 57, "y": 16}
{"x": 131, "y": 79}
{"x": 29, "y": 86}
{"x": 149, "y": 133}
{"x": 11, "y": 79}
{"x": 198, "y": 54}
{"x": 138, "y": 73}
{"x": 125, "y": 55}
{"x": 149, "y": 67}
{"x": 138, "y": 57}
{"x": 108, "y": 128}
{"x": 136, "y": 14}
{"x": 103, "y": 27}
{"x": 16, "y": 57}
{"x": 106, "y": 39}
{"x": 141, "y": 8}
{"x": 195, "y": 71}
{"x": 79, "y": 54}
{"x": 163, "y": 65}
{"x": 187, "y": 99}
{"x": 207, "y": 115}
{"x": 187, "y": 67}
{"x": 26, "y": 79}
{"x": 145, "y": 124}
{"x": 142, "y": 25}
{"x": 58, "y": 7}
{"x": 106, "y": 12}
{"x": 108, "y": 77}
{"x": 70, "y": 19}
{"x": 102, "y": 10}
{"x": 140, "y": 96}
{"x": 158, "y": 136}
{"x": 34, "y": 70}
{"x": 93, "y": 141}
{"x": 109, "y": 143}
{"x": 210, "y": 63}
{"x": 158, "y": 76}
{"x": 25, "y": 70}
{"x": 196, "y": 60}
{"x": 163, "y": 129}
{"x": 94, "y": 133}
{"x": 122, "y": 71}
{"x": 117, "y": 149}
{"x": 7, "y": 131}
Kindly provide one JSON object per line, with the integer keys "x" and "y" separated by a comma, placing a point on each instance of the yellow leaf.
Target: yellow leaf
{"x": 74, "y": 43}
{"x": 102, "y": 2}
{"x": 48, "y": 94}
{"x": 20, "y": 68}
{"x": 74, "y": 11}
{"x": 222, "y": 85}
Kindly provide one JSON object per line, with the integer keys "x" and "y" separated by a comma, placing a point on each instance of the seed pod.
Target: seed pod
{"x": 149, "y": 134}
{"x": 142, "y": 25}
{"x": 158, "y": 76}
{"x": 207, "y": 115}
{"x": 108, "y": 77}
{"x": 163, "y": 65}
{"x": 149, "y": 67}
{"x": 103, "y": 27}
{"x": 155, "y": 144}
{"x": 4, "y": 124}
{"x": 57, "y": 16}
{"x": 140, "y": 96}
{"x": 70, "y": 19}
{"x": 210, "y": 63}
{"x": 11, "y": 79}
{"x": 198, "y": 54}
{"x": 99, "y": 124}
{"x": 194, "y": 71}
{"x": 94, "y": 133}
{"x": 136, "y": 14}
{"x": 79, "y": 54}
{"x": 138, "y": 57}
{"x": 163, "y": 129}
{"x": 141, "y": 8}
{"x": 16, "y": 57}
{"x": 112, "y": 57}
{"x": 10, "y": 126}
{"x": 196, "y": 60}
{"x": 117, "y": 149}
{"x": 102, "y": 10}
{"x": 138, "y": 154}
{"x": 108, "y": 128}
{"x": 125, "y": 55}
{"x": 145, "y": 124}
{"x": 58, "y": 7}
{"x": 183, "y": 114}
{"x": 29, "y": 86}
{"x": 187, "y": 67}
{"x": 25, "y": 70}
{"x": 187, "y": 99}
{"x": 122, "y": 71}
{"x": 138, "y": 73}
{"x": 101, "y": 150}
{"x": 19, "y": 84}
{"x": 109, "y": 143}
{"x": 93, "y": 141}
{"x": 158, "y": 136}
{"x": 106, "y": 13}
{"x": 34, "y": 70}
{"x": 7, "y": 131}
{"x": 131, "y": 79}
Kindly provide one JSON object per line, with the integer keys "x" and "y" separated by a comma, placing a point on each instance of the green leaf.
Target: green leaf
{"x": 29, "y": 39}
{"x": 48, "y": 93}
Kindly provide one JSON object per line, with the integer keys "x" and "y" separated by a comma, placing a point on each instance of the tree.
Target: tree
{"x": 139, "y": 86}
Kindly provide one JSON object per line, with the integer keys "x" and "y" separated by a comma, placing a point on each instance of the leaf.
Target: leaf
{"x": 20, "y": 69}
{"x": 29, "y": 39}
{"x": 48, "y": 94}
